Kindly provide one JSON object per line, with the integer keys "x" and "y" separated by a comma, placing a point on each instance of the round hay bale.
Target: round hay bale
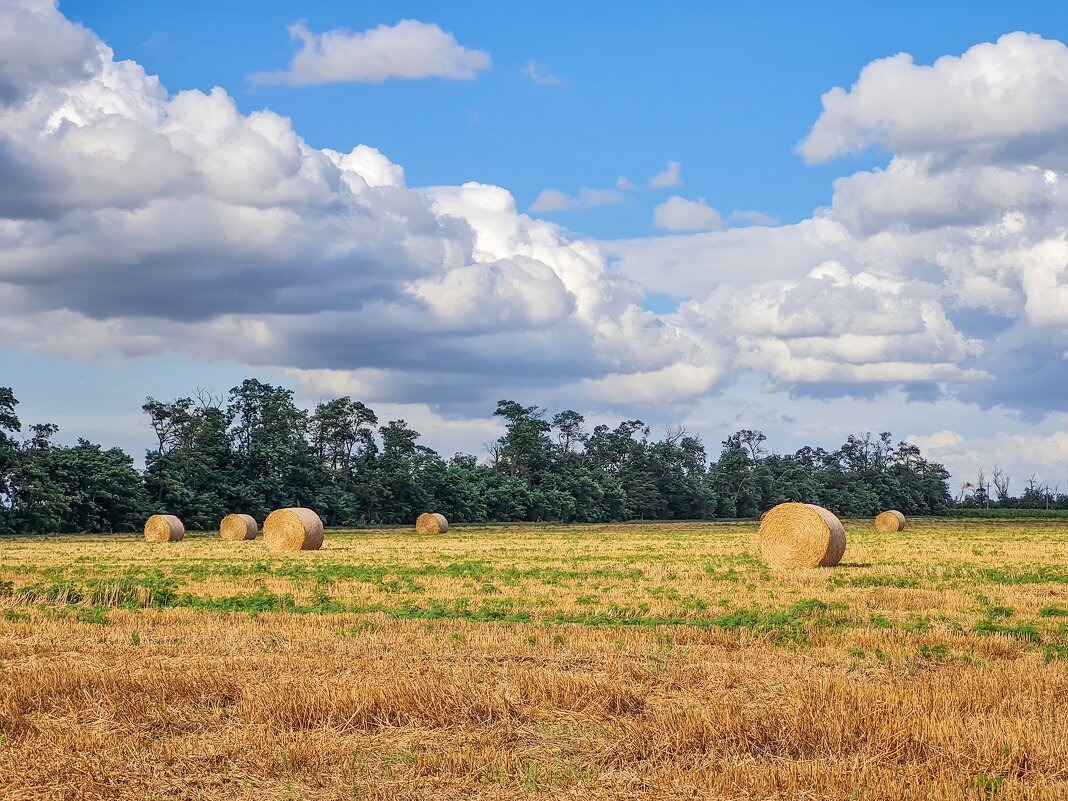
{"x": 238, "y": 527}
{"x": 431, "y": 523}
{"x": 164, "y": 528}
{"x": 801, "y": 535}
{"x": 891, "y": 520}
{"x": 293, "y": 529}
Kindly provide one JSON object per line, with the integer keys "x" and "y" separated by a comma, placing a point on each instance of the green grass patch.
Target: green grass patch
{"x": 1053, "y": 611}
{"x": 1021, "y": 631}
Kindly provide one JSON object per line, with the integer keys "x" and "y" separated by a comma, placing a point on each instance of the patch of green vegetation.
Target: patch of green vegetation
{"x": 495, "y": 610}
{"x": 994, "y": 612}
{"x": 935, "y": 653}
{"x": 880, "y": 621}
{"x": 1053, "y": 611}
{"x": 1054, "y": 652}
{"x": 261, "y": 600}
{"x": 1038, "y": 574}
{"x": 989, "y": 785}
{"x": 790, "y": 623}
{"x": 1021, "y": 631}
{"x": 730, "y": 574}
{"x": 14, "y": 616}
{"x": 128, "y": 593}
{"x": 900, "y": 582}
{"x": 915, "y": 623}
{"x": 97, "y": 615}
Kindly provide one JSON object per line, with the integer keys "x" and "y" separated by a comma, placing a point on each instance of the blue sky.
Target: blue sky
{"x": 882, "y": 302}
{"x": 728, "y": 89}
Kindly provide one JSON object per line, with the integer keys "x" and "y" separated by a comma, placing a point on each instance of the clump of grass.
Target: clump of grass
{"x": 994, "y": 612}
{"x": 96, "y": 615}
{"x": 1053, "y": 652}
{"x": 1021, "y": 631}
{"x": 1053, "y": 611}
{"x": 898, "y": 582}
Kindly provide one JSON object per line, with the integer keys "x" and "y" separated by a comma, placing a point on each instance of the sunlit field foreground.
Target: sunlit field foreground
{"x": 593, "y": 662}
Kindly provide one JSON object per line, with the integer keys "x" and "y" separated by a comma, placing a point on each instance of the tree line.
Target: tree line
{"x": 255, "y": 450}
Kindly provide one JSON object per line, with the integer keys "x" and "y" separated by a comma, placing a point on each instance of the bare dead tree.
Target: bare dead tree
{"x": 1001, "y": 484}
{"x": 206, "y": 399}
{"x": 495, "y": 451}
{"x": 674, "y": 433}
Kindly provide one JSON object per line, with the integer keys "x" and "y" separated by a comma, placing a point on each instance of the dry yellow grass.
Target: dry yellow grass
{"x": 659, "y": 661}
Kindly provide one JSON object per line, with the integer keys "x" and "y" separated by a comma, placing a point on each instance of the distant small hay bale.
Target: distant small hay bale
{"x": 293, "y": 529}
{"x": 891, "y": 520}
{"x": 238, "y": 527}
{"x": 164, "y": 528}
{"x": 431, "y": 523}
{"x": 800, "y": 535}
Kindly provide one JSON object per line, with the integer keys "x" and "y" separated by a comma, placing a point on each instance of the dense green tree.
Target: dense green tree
{"x": 256, "y": 450}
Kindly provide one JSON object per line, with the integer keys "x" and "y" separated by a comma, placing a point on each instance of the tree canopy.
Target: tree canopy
{"x": 256, "y": 450}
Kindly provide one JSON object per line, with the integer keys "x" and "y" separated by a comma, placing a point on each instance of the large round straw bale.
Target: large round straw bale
{"x": 238, "y": 527}
{"x": 431, "y": 523}
{"x": 891, "y": 520}
{"x": 164, "y": 528}
{"x": 293, "y": 529}
{"x": 801, "y": 535}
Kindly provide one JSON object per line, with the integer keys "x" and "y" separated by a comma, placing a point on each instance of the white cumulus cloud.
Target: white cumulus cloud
{"x": 410, "y": 49}
{"x": 1004, "y": 98}
{"x": 678, "y": 214}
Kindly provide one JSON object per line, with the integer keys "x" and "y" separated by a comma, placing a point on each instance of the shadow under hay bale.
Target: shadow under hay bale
{"x": 891, "y": 520}
{"x": 164, "y": 528}
{"x": 238, "y": 527}
{"x": 293, "y": 529}
{"x": 431, "y": 523}
{"x": 800, "y": 535}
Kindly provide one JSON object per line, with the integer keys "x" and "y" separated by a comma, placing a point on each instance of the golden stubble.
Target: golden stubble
{"x": 886, "y": 691}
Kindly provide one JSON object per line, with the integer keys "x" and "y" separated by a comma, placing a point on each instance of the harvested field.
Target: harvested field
{"x": 627, "y": 661}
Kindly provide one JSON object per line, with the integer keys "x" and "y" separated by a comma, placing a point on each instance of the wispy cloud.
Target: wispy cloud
{"x": 555, "y": 200}
{"x": 410, "y": 49}
{"x": 541, "y": 74}
{"x": 753, "y": 218}
{"x": 671, "y": 176}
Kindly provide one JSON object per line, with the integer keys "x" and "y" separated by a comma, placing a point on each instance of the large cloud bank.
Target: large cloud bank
{"x": 946, "y": 272}
{"x": 136, "y": 221}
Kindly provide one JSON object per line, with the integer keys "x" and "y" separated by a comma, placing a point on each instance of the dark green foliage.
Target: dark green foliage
{"x": 255, "y": 450}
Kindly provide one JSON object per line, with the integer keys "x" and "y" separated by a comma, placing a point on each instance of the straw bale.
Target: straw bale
{"x": 238, "y": 527}
{"x": 293, "y": 529}
{"x": 800, "y": 535}
{"x": 164, "y": 528}
{"x": 891, "y": 520}
{"x": 431, "y": 523}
